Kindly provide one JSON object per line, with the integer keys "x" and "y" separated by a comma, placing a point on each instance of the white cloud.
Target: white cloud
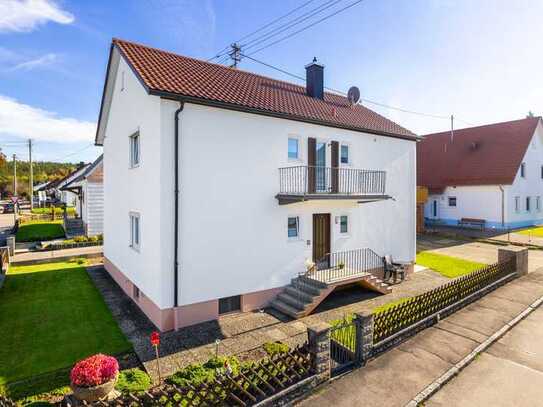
{"x": 26, "y": 15}
{"x": 20, "y": 120}
{"x": 43, "y": 61}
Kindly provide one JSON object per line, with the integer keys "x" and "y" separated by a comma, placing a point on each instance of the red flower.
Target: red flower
{"x": 94, "y": 370}
{"x": 155, "y": 338}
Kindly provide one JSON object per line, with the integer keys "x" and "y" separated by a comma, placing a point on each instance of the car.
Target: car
{"x": 8, "y": 208}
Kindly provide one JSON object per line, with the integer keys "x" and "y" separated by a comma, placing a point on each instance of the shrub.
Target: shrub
{"x": 94, "y": 370}
{"x": 80, "y": 239}
{"x": 133, "y": 380}
{"x": 196, "y": 374}
{"x": 273, "y": 348}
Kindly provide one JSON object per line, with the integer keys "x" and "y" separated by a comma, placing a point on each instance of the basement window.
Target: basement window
{"x": 136, "y": 293}
{"x": 452, "y": 201}
{"x": 293, "y": 227}
{"x": 229, "y": 304}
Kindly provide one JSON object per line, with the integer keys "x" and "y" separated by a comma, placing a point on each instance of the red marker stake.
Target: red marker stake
{"x": 155, "y": 341}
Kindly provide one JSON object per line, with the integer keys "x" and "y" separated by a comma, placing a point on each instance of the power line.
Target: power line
{"x": 290, "y": 24}
{"x": 75, "y": 152}
{"x": 286, "y": 37}
{"x": 261, "y": 28}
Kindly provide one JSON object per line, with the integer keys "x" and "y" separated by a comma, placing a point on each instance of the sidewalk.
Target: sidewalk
{"x": 51, "y": 255}
{"x": 395, "y": 377}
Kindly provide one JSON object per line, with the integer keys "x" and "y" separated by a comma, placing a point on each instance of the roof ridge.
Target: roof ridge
{"x": 448, "y": 132}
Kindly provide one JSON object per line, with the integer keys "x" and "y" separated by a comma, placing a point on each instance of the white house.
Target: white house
{"x": 220, "y": 184}
{"x": 64, "y": 195}
{"x": 89, "y": 202}
{"x": 491, "y": 173}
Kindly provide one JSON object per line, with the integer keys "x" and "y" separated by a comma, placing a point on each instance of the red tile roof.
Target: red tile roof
{"x": 165, "y": 72}
{"x": 483, "y": 155}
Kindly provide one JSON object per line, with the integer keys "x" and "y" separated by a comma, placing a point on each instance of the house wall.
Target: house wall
{"x": 233, "y": 233}
{"x": 485, "y": 201}
{"x": 93, "y": 208}
{"x": 137, "y": 189}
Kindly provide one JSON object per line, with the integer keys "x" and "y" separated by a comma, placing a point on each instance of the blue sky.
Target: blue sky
{"x": 479, "y": 60}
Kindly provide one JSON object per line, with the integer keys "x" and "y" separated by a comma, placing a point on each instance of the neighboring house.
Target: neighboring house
{"x": 64, "y": 195}
{"x": 89, "y": 191}
{"x": 220, "y": 184}
{"x": 492, "y": 173}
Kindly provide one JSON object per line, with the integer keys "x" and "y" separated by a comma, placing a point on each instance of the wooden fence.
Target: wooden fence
{"x": 390, "y": 321}
{"x": 254, "y": 383}
{"x": 4, "y": 260}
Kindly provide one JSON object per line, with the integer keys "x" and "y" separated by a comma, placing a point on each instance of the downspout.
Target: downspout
{"x": 503, "y": 205}
{"x": 176, "y": 209}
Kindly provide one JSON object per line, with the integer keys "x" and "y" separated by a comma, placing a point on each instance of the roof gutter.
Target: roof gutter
{"x": 176, "y": 207}
{"x": 262, "y": 112}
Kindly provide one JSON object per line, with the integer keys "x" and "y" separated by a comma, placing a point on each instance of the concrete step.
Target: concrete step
{"x": 292, "y": 301}
{"x": 313, "y": 282}
{"x": 299, "y": 294}
{"x": 286, "y": 309}
{"x": 302, "y": 286}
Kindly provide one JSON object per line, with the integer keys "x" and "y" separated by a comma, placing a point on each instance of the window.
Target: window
{"x": 517, "y": 204}
{"x": 527, "y": 204}
{"x": 229, "y": 304}
{"x": 538, "y": 203}
{"x": 344, "y": 156}
{"x": 293, "y": 227}
{"x": 293, "y": 148}
{"x": 452, "y": 201}
{"x": 343, "y": 224}
{"x": 523, "y": 170}
{"x": 135, "y": 231}
{"x": 135, "y": 149}
{"x": 542, "y": 172}
{"x": 122, "y": 81}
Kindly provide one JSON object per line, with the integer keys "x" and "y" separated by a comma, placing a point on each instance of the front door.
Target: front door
{"x": 321, "y": 236}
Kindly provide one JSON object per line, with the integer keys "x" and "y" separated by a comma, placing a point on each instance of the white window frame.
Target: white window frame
{"x": 297, "y": 237}
{"x": 517, "y": 204}
{"x": 299, "y": 140}
{"x": 349, "y": 156}
{"x": 134, "y": 139}
{"x": 132, "y": 242}
{"x": 347, "y": 233}
{"x": 523, "y": 170}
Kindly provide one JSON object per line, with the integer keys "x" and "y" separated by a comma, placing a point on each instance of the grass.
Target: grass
{"x": 536, "y": 231}
{"x": 58, "y": 210}
{"x": 51, "y": 316}
{"x": 40, "y": 230}
{"x": 447, "y": 266}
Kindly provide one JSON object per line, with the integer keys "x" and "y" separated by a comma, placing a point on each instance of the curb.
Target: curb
{"x": 453, "y": 371}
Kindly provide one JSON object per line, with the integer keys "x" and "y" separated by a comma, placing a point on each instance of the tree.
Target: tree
{"x": 530, "y": 114}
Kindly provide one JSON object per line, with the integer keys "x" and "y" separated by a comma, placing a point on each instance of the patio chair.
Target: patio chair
{"x": 393, "y": 269}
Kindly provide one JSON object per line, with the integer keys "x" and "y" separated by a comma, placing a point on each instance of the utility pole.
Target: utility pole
{"x": 235, "y": 55}
{"x": 31, "y": 175}
{"x": 14, "y": 175}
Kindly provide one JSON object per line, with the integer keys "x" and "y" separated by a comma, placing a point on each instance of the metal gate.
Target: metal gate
{"x": 344, "y": 346}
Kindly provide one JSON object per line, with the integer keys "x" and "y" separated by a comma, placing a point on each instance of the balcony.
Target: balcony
{"x": 303, "y": 183}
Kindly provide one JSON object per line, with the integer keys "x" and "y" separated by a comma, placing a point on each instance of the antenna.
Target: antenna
{"x": 235, "y": 54}
{"x": 353, "y": 95}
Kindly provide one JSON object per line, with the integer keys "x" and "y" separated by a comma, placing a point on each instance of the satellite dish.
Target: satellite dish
{"x": 353, "y": 95}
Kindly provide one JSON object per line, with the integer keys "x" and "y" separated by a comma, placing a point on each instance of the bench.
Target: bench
{"x": 472, "y": 222}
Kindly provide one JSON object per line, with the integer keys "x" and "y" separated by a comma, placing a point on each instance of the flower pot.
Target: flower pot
{"x": 94, "y": 393}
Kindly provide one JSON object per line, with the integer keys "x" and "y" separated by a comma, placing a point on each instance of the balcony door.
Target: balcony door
{"x": 321, "y": 237}
{"x": 316, "y": 161}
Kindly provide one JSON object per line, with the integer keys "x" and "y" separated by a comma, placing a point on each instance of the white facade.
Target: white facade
{"x": 232, "y": 231}
{"x": 501, "y": 206}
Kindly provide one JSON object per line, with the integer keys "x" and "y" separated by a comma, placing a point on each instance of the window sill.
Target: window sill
{"x": 294, "y": 239}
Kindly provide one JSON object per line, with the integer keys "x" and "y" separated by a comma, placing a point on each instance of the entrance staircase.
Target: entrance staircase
{"x": 308, "y": 290}
{"x": 74, "y": 227}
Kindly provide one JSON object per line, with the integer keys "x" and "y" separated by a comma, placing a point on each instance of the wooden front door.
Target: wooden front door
{"x": 321, "y": 235}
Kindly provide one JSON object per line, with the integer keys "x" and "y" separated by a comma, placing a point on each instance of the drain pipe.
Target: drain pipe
{"x": 503, "y": 205}
{"x": 176, "y": 209}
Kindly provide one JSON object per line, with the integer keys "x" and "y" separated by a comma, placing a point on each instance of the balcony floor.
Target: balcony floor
{"x": 285, "y": 199}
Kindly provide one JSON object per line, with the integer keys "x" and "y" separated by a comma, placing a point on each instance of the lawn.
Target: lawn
{"x": 40, "y": 230}
{"x": 51, "y": 316}
{"x": 447, "y": 266}
{"x": 58, "y": 210}
{"x": 535, "y": 231}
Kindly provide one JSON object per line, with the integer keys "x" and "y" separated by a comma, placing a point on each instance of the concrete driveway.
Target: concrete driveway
{"x": 509, "y": 373}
